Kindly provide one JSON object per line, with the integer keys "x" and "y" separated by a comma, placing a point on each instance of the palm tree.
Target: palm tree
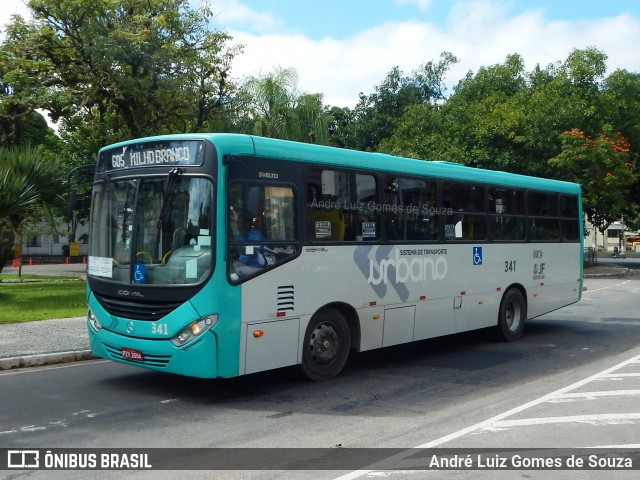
{"x": 311, "y": 120}
{"x": 28, "y": 183}
{"x": 272, "y": 98}
{"x": 279, "y": 111}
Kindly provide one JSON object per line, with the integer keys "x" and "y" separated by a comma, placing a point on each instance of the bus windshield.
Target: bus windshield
{"x": 152, "y": 230}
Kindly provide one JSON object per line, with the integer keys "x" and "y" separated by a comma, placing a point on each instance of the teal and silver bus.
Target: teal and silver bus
{"x": 218, "y": 255}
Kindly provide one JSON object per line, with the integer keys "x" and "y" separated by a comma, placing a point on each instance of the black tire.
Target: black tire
{"x": 326, "y": 345}
{"x": 512, "y": 315}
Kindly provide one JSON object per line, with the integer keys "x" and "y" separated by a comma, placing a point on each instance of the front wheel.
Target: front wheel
{"x": 326, "y": 345}
{"x": 512, "y": 315}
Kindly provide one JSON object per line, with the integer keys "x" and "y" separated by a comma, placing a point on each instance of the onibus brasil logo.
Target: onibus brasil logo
{"x": 386, "y": 265}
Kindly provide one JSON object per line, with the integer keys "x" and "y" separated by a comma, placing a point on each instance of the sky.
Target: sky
{"x": 342, "y": 48}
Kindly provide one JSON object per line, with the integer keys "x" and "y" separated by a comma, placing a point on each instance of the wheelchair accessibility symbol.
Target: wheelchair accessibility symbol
{"x": 139, "y": 273}
{"x": 477, "y": 255}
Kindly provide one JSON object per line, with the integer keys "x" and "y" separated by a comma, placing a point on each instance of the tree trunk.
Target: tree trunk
{"x": 6, "y": 247}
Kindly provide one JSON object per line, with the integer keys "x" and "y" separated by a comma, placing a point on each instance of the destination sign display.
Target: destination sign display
{"x": 152, "y": 154}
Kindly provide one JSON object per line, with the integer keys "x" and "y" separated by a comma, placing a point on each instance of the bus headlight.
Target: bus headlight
{"x": 194, "y": 330}
{"x": 93, "y": 321}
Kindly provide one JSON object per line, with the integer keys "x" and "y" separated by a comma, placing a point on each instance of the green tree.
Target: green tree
{"x": 600, "y": 164}
{"x": 311, "y": 120}
{"x": 505, "y": 118}
{"x": 20, "y": 124}
{"x": 272, "y": 97}
{"x": 29, "y": 184}
{"x": 377, "y": 115}
{"x": 15, "y": 106}
{"x": 110, "y": 70}
{"x": 339, "y": 119}
{"x": 120, "y": 69}
{"x": 481, "y": 124}
{"x": 423, "y": 132}
{"x": 621, "y": 101}
{"x": 276, "y": 109}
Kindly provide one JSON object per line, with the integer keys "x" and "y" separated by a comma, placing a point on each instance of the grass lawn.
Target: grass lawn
{"x": 49, "y": 297}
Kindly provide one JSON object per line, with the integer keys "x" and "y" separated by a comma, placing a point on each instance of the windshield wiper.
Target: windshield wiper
{"x": 167, "y": 199}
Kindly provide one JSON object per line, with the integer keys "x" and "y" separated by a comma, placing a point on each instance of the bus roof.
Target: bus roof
{"x": 242, "y": 144}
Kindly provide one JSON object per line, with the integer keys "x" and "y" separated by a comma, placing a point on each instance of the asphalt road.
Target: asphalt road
{"x": 572, "y": 381}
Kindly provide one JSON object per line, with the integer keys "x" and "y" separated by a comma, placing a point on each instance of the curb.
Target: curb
{"x": 619, "y": 274}
{"x": 41, "y": 280}
{"x": 44, "y": 359}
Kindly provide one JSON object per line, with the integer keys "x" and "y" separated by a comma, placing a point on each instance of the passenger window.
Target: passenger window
{"x": 569, "y": 226}
{"x": 261, "y": 231}
{"x": 543, "y": 204}
{"x": 570, "y": 230}
{"x": 568, "y": 206}
{"x": 544, "y": 229}
{"x": 506, "y": 214}
{"x": 543, "y": 221}
{"x": 410, "y": 209}
{"x": 506, "y": 201}
{"x": 467, "y": 219}
{"x": 341, "y": 206}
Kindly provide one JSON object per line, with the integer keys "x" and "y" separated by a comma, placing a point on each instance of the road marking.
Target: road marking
{"x": 26, "y": 428}
{"x": 601, "y": 419}
{"x": 609, "y": 393}
{"x": 606, "y": 288}
{"x": 610, "y": 447}
{"x": 487, "y": 424}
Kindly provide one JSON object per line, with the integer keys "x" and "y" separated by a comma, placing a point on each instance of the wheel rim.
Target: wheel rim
{"x": 324, "y": 344}
{"x": 513, "y": 315}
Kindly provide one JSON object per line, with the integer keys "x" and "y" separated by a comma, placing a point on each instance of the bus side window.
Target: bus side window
{"x": 467, "y": 220}
{"x": 506, "y": 214}
{"x": 341, "y": 206}
{"x": 409, "y": 206}
{"x": 325, "y": 221}
{"x": 262, "y": 231}
{"x": 569, "y": 212}
{"x": 365, "y": 220}
{"x": 543, "y": 221}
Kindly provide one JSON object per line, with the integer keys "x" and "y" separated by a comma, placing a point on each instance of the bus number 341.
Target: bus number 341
{"x": 159, "y": 329}
{"x": 510, "y": 266}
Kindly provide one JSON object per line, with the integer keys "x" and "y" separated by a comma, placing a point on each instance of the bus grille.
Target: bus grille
{"x": 286, "y": 298}
{"x": 136, "y": 310}
{"x": 158, "y": 361}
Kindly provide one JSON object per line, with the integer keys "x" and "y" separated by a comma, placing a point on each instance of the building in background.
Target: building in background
{"x": 615, "y": 236}
{"x": 43, "y": 245}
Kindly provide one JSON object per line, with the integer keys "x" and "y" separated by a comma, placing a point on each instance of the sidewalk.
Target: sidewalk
{"x": 45, "y": 342}
{"x": 65, "y": 269}
{"x": 602, "y": 270}
{"x": 48, "y": 342}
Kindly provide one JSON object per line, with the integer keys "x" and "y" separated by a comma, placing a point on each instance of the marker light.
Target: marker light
{"x": 93, "y": 321}
{"x": 194, "y": 330}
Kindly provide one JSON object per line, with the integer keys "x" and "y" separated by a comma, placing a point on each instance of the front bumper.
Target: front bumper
{"x": 197, "y": 359}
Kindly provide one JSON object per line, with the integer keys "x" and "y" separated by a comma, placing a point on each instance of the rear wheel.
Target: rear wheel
{"x": 326, "y": 345}
{"x": 512, "y": 315}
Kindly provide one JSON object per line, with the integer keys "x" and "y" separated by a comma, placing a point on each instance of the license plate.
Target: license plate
{"x": 131, "y": 354}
